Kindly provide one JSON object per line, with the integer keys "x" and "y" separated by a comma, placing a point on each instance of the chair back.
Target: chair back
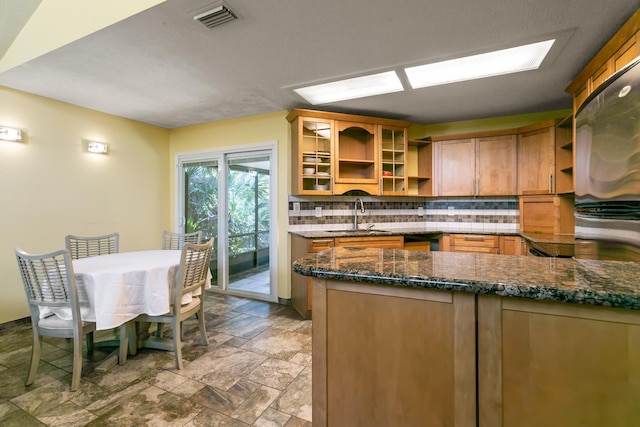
{"x": 194, "y": 266}
{"x": 84, "y": 247}
{"x": 176, "y": 241}
{"x": 49, "y": 282}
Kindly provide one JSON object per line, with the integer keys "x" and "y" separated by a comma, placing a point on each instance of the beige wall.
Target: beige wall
{"x": 236, "y": 133}
{"x": 50, "y": 185}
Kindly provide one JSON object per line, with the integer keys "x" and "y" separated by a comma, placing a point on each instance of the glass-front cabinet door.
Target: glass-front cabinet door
{"x": 393, "y": 152}
{"x": 312, "y": 157}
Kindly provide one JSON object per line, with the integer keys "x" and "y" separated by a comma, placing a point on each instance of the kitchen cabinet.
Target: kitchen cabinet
{"x": 414, "y": 351}
{"x": 579, "y": 363}
{"x": 420, "y": 167}
{"x": 545, "y": 158}
{"x": 311, "y": 156}
{"x": 356, "y": 153}
{"x": 536, "y": 159}
{"x": 455, "y": 165}
{"x": 547, "y": 214}
{"x": 481, "y": 166}
{"x": 301, "y": 294}
{"x": 334, "y": 153}
{"x": 384, "y": 242}
{"x": 564, "y": 159}
{"x": 482, "y": 244}
{"x": 393, "y": 161}
{"x": 474, "y": 243}
{"x": 619, "y": 51}
{"x": 511, "y": 245}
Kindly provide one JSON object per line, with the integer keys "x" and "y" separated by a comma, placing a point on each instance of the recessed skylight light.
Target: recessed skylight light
{"x": 512, "y": 60}
{"x": 358, "y": 87}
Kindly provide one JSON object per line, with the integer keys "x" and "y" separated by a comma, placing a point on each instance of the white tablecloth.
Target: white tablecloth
{"x": 116, "y": 288}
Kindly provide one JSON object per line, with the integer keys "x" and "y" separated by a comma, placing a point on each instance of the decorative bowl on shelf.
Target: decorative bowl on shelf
{"x": 308, "y": 171}
{"x": 386, "y": 173}
{"x": 309, "y": 159}
{"x": 321, "y": 186}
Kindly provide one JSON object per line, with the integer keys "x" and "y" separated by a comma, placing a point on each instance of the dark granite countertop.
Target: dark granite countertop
{"x": 602, "y": 283}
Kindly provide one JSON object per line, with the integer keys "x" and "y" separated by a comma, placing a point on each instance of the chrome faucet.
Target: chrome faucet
{"x": 355, "y": 212}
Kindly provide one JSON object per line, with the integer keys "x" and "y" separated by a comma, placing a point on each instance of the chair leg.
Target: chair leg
{"x": 203, "y": 333}
{"x": 77, "y": 361}
{"x": 124, "y": 343}
{"x": 36, "y": 350}
{"x": 177, "y": 342}
{"x": 90, "y": 345}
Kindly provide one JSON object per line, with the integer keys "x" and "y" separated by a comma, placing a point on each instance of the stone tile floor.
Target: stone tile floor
{"x": 256, "y": 371}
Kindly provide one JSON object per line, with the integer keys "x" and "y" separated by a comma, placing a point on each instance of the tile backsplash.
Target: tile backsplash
{"x": 446, "y": 214}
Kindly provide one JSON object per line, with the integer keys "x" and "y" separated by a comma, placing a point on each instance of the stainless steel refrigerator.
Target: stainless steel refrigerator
{"x": 607, "y": 169}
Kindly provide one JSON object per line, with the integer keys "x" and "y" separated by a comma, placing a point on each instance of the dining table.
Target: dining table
{"x": 116, "y": 288}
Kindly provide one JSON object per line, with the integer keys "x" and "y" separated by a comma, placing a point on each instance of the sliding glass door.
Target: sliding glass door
{"x": 228, "y": 195}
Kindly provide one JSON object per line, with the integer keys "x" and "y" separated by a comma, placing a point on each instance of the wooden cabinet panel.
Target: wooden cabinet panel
{"x": 475, "y": 243}
{"x": 312, "y": 163}
{"x": 333, "y": 153}
{"x": 619, "y": 51}
{"x": 484, "y": 166}
{"x": 301, "y": 289}
{"x": 511, "y": 245}
{"x": 419, "y": 168}
{"x": 456, "y": 167}
{"x": 393, "y": 161}
{"x": 579, "y": 363}
{"x": 547, "y": 214}
{"x": 422, "y": 375}
{"x": 496, "y": 166}
{"x": 389, "y": 242}
{"x": 536, "y": 161}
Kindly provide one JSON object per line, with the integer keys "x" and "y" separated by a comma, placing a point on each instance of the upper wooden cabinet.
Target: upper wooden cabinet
{"x": 536, "y": 161}
{"x": 623, "y": 47}
{"x": 483, "y": 166}
{"x": 356, "y": 156}
{"x": 545, "y": 158}
{"x": 393, "y": 161}
{"x": 419, "y": 167}
{"x": 312, "y": 156}
{"x": 334, "y": 153}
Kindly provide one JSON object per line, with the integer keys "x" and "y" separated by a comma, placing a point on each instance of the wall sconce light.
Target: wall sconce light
{"x": 10, "y": 134}
{"x": 97, "y": 147}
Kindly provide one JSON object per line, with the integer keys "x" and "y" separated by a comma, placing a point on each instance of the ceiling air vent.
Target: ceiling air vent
{"x": 216, "y": 16}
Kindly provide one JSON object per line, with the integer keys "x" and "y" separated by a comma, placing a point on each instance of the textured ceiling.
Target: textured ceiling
{"x": 162, "y": 67}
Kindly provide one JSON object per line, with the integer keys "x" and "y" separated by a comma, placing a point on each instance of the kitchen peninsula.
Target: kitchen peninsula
{"x": 453, "y": 339}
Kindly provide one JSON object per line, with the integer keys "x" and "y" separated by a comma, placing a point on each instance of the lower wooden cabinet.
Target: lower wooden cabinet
{"x": 383, "y": 242}
{"x": 301, "y": 293}
{"x": 554, "y": 364}
{"x": 387, "y": 356}
{"x": 393, "y": 356}
{"x": 482, "y": 244}
{"x": 547, "y": 214}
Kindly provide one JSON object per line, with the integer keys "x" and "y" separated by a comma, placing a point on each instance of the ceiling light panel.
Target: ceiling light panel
{"x": 358, "y": 87}
{"x": 505, "y": 61}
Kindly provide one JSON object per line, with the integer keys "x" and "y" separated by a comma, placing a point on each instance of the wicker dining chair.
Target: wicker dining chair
{"x": 84, "y": 247}
{"x": 191, "y": 275}
{"x": 174, "y": 241}
{"x": 50, "y": 285}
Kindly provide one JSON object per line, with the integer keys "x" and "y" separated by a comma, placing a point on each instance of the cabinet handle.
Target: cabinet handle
{"x": 474, "y": 238}
{"x": 550, "y": 183}
{"x": 477, "y": 186}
